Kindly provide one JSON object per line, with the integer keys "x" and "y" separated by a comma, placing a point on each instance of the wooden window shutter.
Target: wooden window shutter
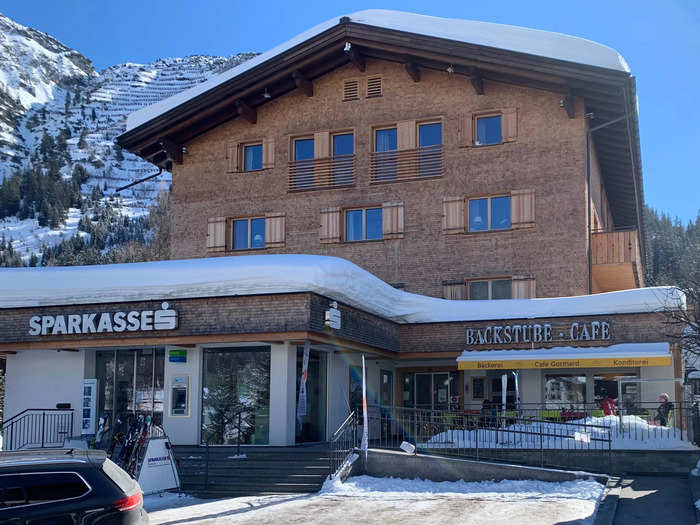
{"x": 522, "y": 287}
{"x": 322, "y": 143}
{"x": 274, "y": 230}
{"x": 465, "y": 130}
{"x": 330, "y": 225}
{"x": 509, "y": 124}
{"x": 374, "y": 87}
{"x": 406, "y": 134}
{"x": 268, "y": 147}
{"x": 216, "y": 234}
{"x": 452, "y": 215}
{"x": 233, "y": 156}
{"x": 454, "y": 291}
{"x": 392, "y": 220}
{"x": 351, "y": 89}
{"x": 522, "y": 208}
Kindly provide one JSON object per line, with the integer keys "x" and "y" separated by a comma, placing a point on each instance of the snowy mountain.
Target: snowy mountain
{"x": 57, "y": 112}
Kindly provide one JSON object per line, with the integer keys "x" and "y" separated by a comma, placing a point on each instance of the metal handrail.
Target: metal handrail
{"x": 344, "y": 424}
{"x": 34, "y": 410}
{"x": 30, "y": 430}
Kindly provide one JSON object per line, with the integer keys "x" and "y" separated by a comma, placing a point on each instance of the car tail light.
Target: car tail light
{"x": 129, "y": 503}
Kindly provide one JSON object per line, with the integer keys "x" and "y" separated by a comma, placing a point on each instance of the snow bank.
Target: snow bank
{"x": 529, "y": 41}
{"x": 507, "y": 490}
{"x": 634, "y": 434}
{"x": 331, "y": 277}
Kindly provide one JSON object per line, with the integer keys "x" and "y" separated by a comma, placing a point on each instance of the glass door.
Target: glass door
{"x": 424, "y": 391}
{"x": 311, "y": 427}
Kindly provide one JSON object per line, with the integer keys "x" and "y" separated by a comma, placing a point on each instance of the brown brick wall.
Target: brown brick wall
{"x": 218, "y": 316}
{"x": 548, "y": 156}
{"x": 451, "y": 337}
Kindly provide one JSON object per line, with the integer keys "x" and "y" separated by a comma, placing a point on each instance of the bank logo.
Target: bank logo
{"x": 106, "y": 322}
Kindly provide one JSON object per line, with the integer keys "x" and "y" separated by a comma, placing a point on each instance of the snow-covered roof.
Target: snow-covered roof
{"x": 618, "y": 351}
{"x": 331, "y": 277}
{"x": 519, "y": 39}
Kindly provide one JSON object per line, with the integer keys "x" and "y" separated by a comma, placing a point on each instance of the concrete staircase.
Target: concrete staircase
{"x": 264, "y": 470}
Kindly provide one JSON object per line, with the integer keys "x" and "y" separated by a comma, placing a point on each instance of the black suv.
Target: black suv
{"x": 67, "y": 487}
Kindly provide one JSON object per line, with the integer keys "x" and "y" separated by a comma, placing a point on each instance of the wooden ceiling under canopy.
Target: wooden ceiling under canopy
{"x": 608, "y": 95}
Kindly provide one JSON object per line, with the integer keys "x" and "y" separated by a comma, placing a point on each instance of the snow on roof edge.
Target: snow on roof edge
{"x": 536, "y": 42}
{"x": 332, "y": 277}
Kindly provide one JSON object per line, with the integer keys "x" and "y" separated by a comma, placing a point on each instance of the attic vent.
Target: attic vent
{"x": 351, "y": 90}
{"x": 374, "y": 87}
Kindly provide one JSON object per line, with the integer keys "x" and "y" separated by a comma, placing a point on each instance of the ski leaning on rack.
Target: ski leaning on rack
{"x": 137, "y": 449}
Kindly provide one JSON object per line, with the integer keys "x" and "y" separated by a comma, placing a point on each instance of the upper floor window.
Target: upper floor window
{"x": 252, "y": 157}
{"x": 429, "y": 134}
{"x": 385, "y": 145}
{"x": 304, "y": 159}
{"x": 489, "y": 213}
{"x": 488, "y": 130}
{"x": 490, "y": 289}
{"x": 363, "y": 224}
{"x": 343, "y": 144}
{"x": 430, "y": 149}
{"x": 249, "y": 234}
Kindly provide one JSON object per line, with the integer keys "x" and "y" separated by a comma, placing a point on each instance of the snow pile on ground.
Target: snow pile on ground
{"x": 332, "y": 277}
{"x": 591, "y": 433}
{"x": 369, "y": 500}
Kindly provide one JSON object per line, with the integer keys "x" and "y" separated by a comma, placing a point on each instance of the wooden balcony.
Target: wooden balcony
{"x": 409, "y": 164}
{"x": 320, "y": 174}
{"x": 617, "y": 261}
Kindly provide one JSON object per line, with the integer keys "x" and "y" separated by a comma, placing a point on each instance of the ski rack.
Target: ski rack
{"x": 148, "y": 482}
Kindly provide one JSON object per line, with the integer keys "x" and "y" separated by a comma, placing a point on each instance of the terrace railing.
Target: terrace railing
{"x": 323, "y": 173}
{"x": 409, "y": 164}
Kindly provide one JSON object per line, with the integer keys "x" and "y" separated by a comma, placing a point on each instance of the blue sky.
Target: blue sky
{"x": 659, "y": 40}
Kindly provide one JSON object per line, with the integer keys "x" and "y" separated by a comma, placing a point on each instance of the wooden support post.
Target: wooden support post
{"x": 303, "y": 83}
{"x": 413, "y": 71}
{"x": 477, "y": 81}
{"x": 173, "y": 150}
{"x": 356, "y": 58}
{"x": 245, "y": 111}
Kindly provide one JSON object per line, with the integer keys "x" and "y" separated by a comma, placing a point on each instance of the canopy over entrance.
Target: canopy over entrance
{"x": 613, "y": 356}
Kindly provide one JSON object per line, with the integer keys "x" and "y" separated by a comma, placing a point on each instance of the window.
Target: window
{"x": 343, "y": 144}
{"x": 478, "y": 387}
{"x": 252, "y": 157}
{"x": 385, "y": 144}
{"x": 489, "y": 213}
{"x": 488, "y": 130}
{"x": 248, "y": 234}
{"x": 41, "y": 488}
{"x": 565, "y": 391}
{"x": 430, "y": 149}
{"x": 304, "y": 157}
{"x": 363, "y": 224}
{"x": 490, "y": 289}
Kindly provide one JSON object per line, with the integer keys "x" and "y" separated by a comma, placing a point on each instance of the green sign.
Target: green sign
{"x": 177, "y": 356}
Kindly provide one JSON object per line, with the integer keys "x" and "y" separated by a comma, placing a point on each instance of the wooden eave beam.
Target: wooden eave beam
{"x": 303, "y": 83}
{"x": 245, "y": 111}
{"x": 569, "y": 105}
{"x": 356, "y": 58}
{"x": 173, "y": 150}
{"x": 413, "y": 70}
{"x": 477, "y": 80}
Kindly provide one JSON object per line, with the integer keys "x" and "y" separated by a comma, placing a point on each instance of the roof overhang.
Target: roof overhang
{"x": 607, "y": 93}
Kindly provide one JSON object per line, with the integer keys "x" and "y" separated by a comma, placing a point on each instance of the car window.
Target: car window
{"x": 120, "y": 478}
{"x": 35, "y": 488}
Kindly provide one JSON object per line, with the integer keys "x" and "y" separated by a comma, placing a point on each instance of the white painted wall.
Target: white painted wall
{"x": 184, "y": 430}
{"x": 283, "y": 362}
{"x": 42, "y": 378}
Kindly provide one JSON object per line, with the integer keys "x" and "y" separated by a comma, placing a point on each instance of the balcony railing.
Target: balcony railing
{"x": 325, "y": 173}
{"x": 409, "y": 164}
{"x": 617, "y": 262}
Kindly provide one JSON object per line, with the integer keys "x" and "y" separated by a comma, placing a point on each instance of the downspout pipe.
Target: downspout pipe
{"x": 589, "y": 133}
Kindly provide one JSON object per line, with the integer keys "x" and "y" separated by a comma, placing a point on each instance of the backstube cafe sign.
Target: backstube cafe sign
{"x": 105, "y": 322}
{"x": 534, "y": 333}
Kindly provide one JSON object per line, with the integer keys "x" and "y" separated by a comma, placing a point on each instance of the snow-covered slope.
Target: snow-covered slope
{"x": 48, "y": 89}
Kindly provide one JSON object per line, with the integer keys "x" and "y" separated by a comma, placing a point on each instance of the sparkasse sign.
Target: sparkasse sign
{"x": 106, "y": 322}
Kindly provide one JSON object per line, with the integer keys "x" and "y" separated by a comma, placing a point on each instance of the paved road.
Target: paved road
{"x": 655, "y": 501}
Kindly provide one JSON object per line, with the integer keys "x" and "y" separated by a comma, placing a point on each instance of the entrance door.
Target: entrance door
{"x": 386, "y": 388}
{"x": 312, "y": 426}
{"x": 424, "y": 391}
{"x": 433, "y": 389}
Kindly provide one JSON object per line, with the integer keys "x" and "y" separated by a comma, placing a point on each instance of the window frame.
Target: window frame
{"x": 347, "y": 131}
{"x": 476, "y": 117}
{"x": 249, "y": 219}
{"x": 292, "y": 146}
{"x": 242, "y": 149}
{"x": 488, "y": 198}
{"x": 364, "y": 223}
{"x": 382, "y": 127}
{"x": 427, "y": 122}
{"x": 490, "y": 281}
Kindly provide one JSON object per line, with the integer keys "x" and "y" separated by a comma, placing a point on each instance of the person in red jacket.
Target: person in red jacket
{"x": 608, "y": 405}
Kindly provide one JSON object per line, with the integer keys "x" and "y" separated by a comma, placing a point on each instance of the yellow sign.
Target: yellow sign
{"x": 608, "y": 362}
